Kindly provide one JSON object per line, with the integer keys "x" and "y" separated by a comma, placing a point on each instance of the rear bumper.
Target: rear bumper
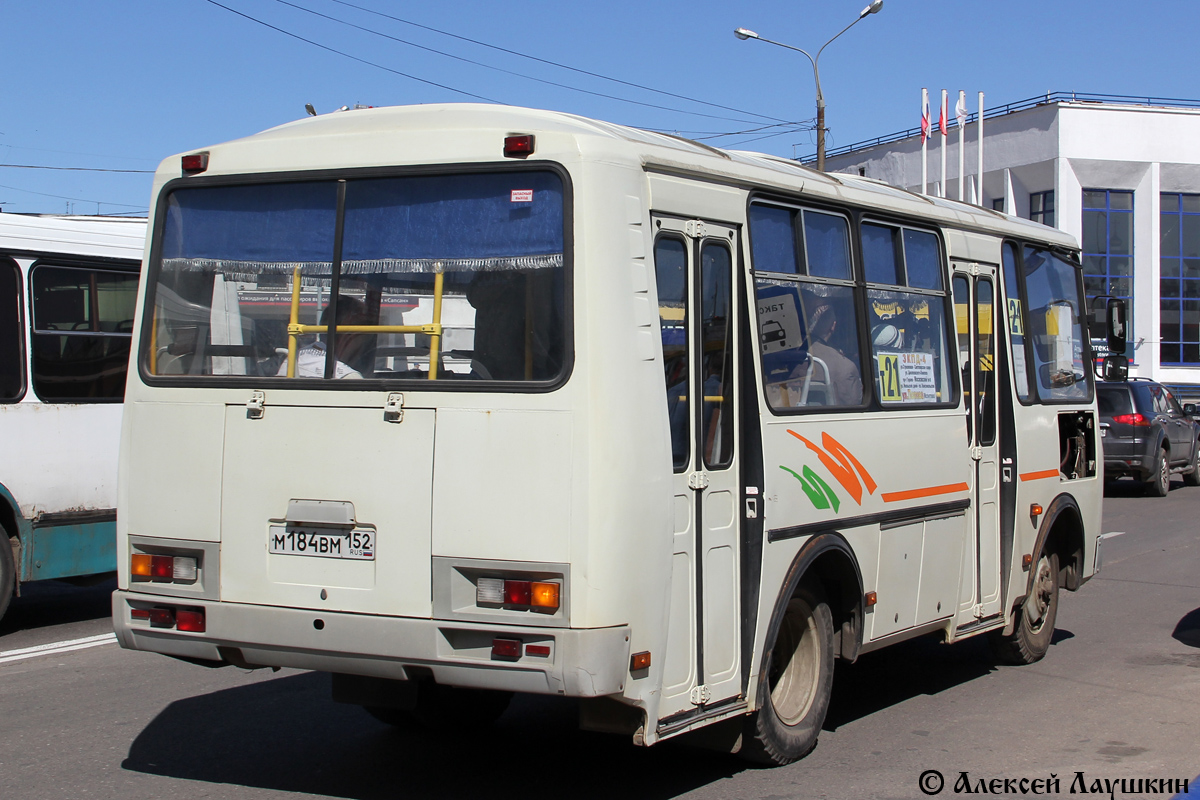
{"x": 582, "y": 662}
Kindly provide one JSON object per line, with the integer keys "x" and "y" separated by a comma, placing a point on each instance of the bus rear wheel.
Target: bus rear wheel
{"x": 1034, "y": 629}
{"x": 798, "y": 679}
{"x": 8, "y": 572}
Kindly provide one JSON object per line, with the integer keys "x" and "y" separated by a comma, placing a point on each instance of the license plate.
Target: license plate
{"x": 358, "y": 544}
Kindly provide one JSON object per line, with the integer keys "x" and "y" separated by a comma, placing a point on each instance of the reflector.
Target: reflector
{"x": 190, "y": 619}
{"x": 542, "y": 650}
{"x": 139, "y": 613}
{"x": 506, "y": 648}
{"x": 162, "y": 618}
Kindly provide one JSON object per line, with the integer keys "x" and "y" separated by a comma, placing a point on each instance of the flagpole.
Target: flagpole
{"x": 980, "y": 149}
{"x": 960, "y": 113}
{"x": 924, "y": 137}
{"x": 942, "y": 128}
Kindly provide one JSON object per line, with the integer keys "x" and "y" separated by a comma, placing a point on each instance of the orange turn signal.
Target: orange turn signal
{"x": 139, "y": 565}
{"x": 1035, "y": 510}
{"x": 543, "y": 595}
{"x": 640, "y": 661}
{"x": 870, "y": 599}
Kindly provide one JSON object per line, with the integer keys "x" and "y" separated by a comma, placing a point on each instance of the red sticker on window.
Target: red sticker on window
{"x": 522, "y": 195}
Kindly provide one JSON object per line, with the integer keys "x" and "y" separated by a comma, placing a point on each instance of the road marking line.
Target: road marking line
{"x": 54, "y": 648}
{"x": 1102, "y": 536}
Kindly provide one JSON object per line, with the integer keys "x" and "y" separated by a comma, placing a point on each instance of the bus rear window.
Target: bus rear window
{"x": 450, "y": 277}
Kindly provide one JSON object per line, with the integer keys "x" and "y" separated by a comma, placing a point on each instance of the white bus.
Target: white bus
{"x": 67, "y": 291}
{"x": 704, "y": 422}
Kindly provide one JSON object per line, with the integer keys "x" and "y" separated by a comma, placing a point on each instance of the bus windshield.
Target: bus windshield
{"x": 428, "y": 277}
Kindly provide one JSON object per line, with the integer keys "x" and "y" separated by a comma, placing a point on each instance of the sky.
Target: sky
{"x": 103, "y": 90}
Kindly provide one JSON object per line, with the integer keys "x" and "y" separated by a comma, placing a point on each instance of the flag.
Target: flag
{"x": 960, "y": 110}
{"x": 942, "y": 116}
{"x": 924, "y": 117}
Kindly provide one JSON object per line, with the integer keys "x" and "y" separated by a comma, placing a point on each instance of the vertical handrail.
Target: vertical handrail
{"x": 293, "y": 323}
{"x": 435, "y": 339}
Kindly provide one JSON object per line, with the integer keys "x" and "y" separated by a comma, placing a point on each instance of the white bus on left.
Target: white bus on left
{"x": 67, "y": 291}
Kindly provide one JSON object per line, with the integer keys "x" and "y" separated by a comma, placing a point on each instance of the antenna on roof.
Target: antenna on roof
{"x": 312, "y": 112}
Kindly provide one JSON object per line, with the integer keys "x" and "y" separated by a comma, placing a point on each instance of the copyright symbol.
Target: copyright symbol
{"x": 931, "y": 781}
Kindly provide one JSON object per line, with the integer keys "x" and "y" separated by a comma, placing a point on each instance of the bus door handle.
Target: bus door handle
{"x": 751, "y": 508}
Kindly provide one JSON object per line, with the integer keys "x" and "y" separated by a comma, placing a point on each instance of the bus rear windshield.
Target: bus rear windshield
{"x": 447, "y": 277}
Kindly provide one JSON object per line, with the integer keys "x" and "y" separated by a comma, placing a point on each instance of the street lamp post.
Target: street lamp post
{"x": 743, "y": 33}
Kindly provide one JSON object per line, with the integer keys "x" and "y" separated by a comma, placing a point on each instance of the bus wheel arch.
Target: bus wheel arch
{"x": 817, "y": 618}
{"x": 1056, "y": 563}
{"x": 10, "y": 545}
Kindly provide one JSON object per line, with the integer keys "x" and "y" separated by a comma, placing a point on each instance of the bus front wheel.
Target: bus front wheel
{"x": 8, "y": 572}
{"x": 798, "y": 679}
{"x": 1034, "y": 629}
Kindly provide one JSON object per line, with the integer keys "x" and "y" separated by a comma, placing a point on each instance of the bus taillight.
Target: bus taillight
{"x": 163, "y": 569}
{"x": 518, "y": 594}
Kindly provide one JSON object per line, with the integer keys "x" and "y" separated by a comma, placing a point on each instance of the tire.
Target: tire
{"x": 1031, "y": 637}
{"x": 796, "y": 685}
{"x": 8, "y": 572}
{"x": 1159, "y": 481}
{"x": 446, "y": 708}
{"x": 1193, "y": 478}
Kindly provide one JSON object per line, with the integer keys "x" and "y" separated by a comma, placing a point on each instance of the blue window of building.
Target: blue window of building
{"x": 1041, "y": 207}
{"x": 1108, "y": 246}
{"x": 1179, "y": 278}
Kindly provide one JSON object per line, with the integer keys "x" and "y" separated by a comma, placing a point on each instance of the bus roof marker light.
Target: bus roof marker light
{"x": 518, "y": 146}
{"x": 194, "y": 162}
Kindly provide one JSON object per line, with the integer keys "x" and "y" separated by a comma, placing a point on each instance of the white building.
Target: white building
{"x": 1121, "y": 174}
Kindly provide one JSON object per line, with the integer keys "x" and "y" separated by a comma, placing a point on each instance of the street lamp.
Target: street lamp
{"x": 743, "y": 34}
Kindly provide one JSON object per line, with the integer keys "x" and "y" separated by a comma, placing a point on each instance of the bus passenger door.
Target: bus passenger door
{"x": 694, "y": 263}
{"x": 974, "y": 301}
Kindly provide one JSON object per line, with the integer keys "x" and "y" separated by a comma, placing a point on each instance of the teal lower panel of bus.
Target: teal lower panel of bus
{"x": 68, "y": 550}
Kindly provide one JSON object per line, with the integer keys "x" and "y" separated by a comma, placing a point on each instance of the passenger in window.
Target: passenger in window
{"x": 310, "y": 359}
{"x": 845, "y": 379}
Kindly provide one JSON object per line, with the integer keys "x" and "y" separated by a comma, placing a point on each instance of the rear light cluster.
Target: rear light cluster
{"x": 1132, "y": 419}
{"x": 181, "y": 619}
{"x": 513, "y": 649}
{"x": 518, "y": 595}
{"x": 163, "y": 569}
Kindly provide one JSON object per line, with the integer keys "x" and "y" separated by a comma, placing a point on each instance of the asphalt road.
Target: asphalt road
{"x": 1118, "y": 696}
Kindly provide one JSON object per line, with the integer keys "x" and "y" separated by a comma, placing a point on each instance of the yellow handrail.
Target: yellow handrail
{"x": 293, "y": 321}
{"x": 434, "y": 329}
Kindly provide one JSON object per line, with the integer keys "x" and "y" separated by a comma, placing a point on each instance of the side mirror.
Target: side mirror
{"x": 1189, "y": 409}
{"x": 1115, "y": 329}
{"x": 1116, "y": 368}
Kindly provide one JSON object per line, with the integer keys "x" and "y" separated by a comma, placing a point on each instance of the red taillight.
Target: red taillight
{"x": 162, "y": 618}
{"x": 506, "y": 648}
{"x": 1132, "y": 419}
{"x": 518, "y": 146}
{"x": 162, "y": 568}
{"x": 190, "y": 619}
{"x": 195, "y": 162}
{"x": 517, "y": 593}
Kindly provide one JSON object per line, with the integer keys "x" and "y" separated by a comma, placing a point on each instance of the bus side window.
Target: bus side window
{"x": 908, "y": 323}
{"x": 807, "y": 323}
{"x": 82, "y": 326}
{"x": 11, "y": 360}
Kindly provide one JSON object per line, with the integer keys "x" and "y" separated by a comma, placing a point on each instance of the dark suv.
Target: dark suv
{"x": 1147, "y": 435}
